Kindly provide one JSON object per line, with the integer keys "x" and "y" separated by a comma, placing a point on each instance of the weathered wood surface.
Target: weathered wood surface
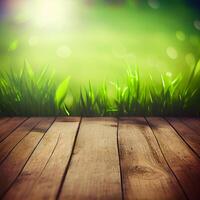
{"x": 94, "y": 171}
{"x": 191, "y": 137}
{"x": 147, "y": 168}
{"x": 99, "y": 158}
{"x": 8, "y": 125}
{"x": 16, "y": 136}
{"x": 182, "y": 160}
{"x": 14, "y": 163}
{"x": 46, "y": 165}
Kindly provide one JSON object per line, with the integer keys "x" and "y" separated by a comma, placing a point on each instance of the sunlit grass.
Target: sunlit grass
{"x": 29, "y": 93}
{"x": 96, "y": 43}
{"x": 25, "y": 92}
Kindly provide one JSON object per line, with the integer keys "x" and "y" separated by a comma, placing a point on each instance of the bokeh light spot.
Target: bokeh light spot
{"x": 180, "y": 35}
{"x": 13, "y": 45}
{"x": 190, "y": 59}
{"x": 197, "y": 24}
{"x": 54, "y": 14}
{"x": 169, "y": 74}
{"x": 172, "y": 53}
{"x": 155, "y": 4}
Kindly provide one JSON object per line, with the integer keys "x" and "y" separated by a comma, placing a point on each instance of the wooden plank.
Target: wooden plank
{"x": 193, "y": 123}
{"x": 68, "y": 119}
{"x": 12, "y": 166}
{"x": 145, "y": 173}
{"x": 9, "y": 126}
{"x": 94, "y": 171}
{"x": 188, "y": 135}
{"x": 3, "y": 120}
{"x": 182, "y": 160}
{"x": 13, "y": 139}
{"x": 47, "y": 164}
{"x": 48, "y": 184}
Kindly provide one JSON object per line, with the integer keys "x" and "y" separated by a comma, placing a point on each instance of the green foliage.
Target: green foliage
{"x": 87, "y": 102}
{"x": 61, "y": 94}
{"x": 35, "y": 94}
{"x": 30, "y": 94}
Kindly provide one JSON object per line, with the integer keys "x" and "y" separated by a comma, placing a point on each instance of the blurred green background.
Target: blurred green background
{"x": 97, "y": 40}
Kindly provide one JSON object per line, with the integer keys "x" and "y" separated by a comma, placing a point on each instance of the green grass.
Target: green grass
{"x": 29, "y": 93}
{"x": 98, "y": 43}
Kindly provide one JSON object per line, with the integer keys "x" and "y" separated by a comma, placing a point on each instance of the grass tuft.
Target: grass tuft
{"x": 29, "y": 93}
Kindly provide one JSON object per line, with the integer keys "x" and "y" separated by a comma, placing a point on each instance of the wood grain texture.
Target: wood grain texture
{"x": 13, "y": 139}
{"x": 48, "y": 183}
{"x": 68, "y": 119}
{"x": 43, "y": 167}
{"x": 47, "y": 159}
{"x": 14, "y": 163}
{"x": 193, "y": 123}
{"x": 94, "y": 171}
{"x": 189, "y": 135}
{"x": 145, "y": 173}
{"x": 9, "y": 126}
{"x": 4, "y": 120}
{"x": 182, "y": 160}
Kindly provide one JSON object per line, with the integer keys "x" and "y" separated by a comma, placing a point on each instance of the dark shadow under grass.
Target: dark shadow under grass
{"x": 27, "y": 93}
